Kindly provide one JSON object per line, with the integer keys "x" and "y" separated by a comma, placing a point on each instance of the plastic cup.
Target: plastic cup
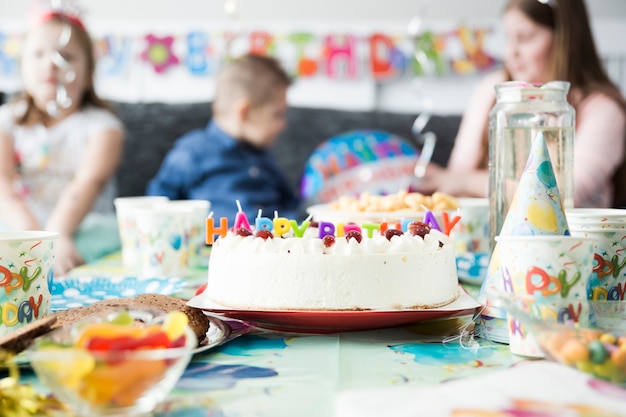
{"x": 125, "y": 211}
{"x": 163, "y": 232}
{"x": 552, "y": 272}
{"x": 198, "y": 249}
{"x": 471, "y": 239}
{"x": 26, "y": 271}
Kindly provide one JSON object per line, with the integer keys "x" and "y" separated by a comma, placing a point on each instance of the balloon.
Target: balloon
{"x": 541, "y": 214}
{"x": 545, "y": 173}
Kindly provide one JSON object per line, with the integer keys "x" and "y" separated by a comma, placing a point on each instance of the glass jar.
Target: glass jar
{"x": 522, "y": 111}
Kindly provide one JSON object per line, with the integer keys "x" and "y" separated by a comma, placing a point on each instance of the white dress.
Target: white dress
{"x": 47, "y": 158}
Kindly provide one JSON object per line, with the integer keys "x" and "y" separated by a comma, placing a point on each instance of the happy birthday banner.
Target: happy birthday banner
{"x": 380, "y": 56}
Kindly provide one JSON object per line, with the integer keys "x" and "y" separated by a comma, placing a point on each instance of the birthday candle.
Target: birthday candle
{"x": 211, "y": 230}
{"x": 370, "y": 227}
{"x": 448, "y": 224}
{"x": 326, "y": 228}
{"x": 241, "y": 220}
{"x": 263, "y": 223}
{"x": 299, "y": 231}
{"x": 429, "y": 219}
{"x": 383, "y": 227}
{"x": 281, "y": 225}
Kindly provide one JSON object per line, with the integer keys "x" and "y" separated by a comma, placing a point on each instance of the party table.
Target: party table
{"x": 433, "y": 368}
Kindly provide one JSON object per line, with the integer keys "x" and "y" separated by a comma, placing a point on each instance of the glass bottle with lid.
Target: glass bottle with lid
{"x": 522, "y": 111}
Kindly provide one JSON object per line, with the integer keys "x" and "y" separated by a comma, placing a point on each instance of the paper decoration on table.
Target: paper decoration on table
{"x": 82, "y": 291}
{"x": 358, "y": 161}
{"x": 536, "y": 209}
{"x": 530, "y": 388}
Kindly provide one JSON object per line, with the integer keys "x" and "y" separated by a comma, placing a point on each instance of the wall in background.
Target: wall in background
{"x": 444, "y": 93}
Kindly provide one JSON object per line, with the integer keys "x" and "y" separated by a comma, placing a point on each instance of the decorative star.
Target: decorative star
{"x": 11, "y": 265}
{"x": 22, "y": 254}
{"x": 159, "y": 53}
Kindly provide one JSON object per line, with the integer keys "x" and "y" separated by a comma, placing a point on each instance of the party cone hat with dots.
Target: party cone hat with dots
{"x": 536, "y": 209}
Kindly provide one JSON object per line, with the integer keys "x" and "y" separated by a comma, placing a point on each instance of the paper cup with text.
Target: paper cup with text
{"x": 164, "y": 231}
{"x": 607, "y": 283}
{"x": 596, "y": 218}
{"x": 198, "y": 249}
{"x": 26, "y": 272}
{"x": 553, "y": 272}
{"x": 471, "y": 239}
{"x": 125, "y": 211}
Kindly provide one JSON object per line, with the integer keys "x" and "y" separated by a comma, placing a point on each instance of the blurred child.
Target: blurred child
{"x": 230, "y": 159}
{"x": 59, "y": 144}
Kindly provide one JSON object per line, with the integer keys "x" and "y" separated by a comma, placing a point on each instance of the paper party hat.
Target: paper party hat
{"x": 536, "y": 209}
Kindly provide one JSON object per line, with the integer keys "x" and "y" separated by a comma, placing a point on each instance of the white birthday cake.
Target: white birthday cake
{"x": 332, "y": 267}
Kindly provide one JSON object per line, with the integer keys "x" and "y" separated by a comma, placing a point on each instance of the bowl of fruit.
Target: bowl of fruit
{"x": 596, "y": 350}
{"x": 120, "y": 363}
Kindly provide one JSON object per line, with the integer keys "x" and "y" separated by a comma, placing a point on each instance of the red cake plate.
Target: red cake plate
{"x": 333, "y": 321}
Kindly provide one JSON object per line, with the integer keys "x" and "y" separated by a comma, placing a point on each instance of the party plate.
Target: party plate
{"x": 74, "y": 292}
{"x": 332, "y": 321}
{"x": 326, "y": 212}
{"x": 221, "y": 331}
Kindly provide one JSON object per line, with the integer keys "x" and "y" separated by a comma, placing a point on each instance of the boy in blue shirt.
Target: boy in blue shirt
{"x": 230, "y": 159}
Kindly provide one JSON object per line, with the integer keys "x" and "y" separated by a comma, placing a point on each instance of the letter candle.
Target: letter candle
{"x": 351, "y": 227}
{"x": 429, "y": 219}
{"x": 241, "y": 220}
{"x": 448, "y": 224}
{"x": 282, "y": 225}
{"x": 383, "y": 227}
{"x": 370, "y": 227}
{"x": 211, "y": 230}
{"x": 299, "y": 231}
{"x": 263, "y": 223}
{"x": 326, "y": 228}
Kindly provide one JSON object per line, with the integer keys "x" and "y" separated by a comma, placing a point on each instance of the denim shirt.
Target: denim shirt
{"x": 209, "y": 164}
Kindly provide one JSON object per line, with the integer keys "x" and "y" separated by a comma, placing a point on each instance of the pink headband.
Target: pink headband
{"x": 75, "y": 20}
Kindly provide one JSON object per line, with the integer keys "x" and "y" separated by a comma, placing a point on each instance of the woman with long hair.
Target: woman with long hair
{"x": 547, "y": 40}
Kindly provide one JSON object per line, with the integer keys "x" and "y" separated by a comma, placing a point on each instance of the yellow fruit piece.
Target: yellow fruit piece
{"x": 605, "y": 370}
{"x": 70, "y": 365}
{"x": 585, "y": 366}
{"x": 123, "y": 383}
{"x": 174, "y": 324}
{"x": 608, "y": 338}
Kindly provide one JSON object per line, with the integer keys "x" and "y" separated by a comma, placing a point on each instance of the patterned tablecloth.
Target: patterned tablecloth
{"x": 427, "y": 369}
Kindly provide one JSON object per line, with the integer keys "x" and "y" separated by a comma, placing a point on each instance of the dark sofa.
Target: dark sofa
{"x": 152, "y": 128}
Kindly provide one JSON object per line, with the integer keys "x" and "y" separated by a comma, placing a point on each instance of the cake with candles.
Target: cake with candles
{"x": 280, "y": 264}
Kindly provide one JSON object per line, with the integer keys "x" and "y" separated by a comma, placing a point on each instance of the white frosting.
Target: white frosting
{"x": 302, "y": 274}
